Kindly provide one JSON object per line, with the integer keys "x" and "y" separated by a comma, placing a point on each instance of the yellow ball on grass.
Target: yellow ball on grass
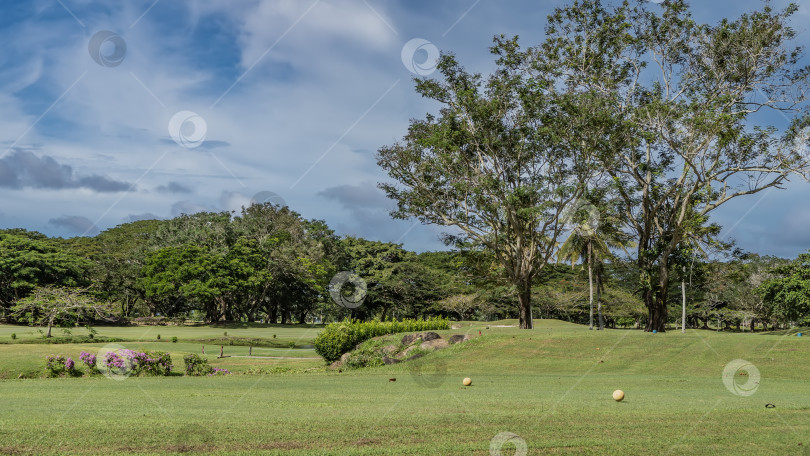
{"x": 618, "y": 395}
{"x": 467, "y": 381}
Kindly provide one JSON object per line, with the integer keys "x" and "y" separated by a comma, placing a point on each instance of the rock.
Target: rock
{"x": 387, "y": 360}
{"x": 408, "y": 339}
{"x": 408, "y": 351}
{"x": 344, "y": 357}
{"x": 416, "y": 356}
{"x": 456, "y": 338}
{"x": 390, "y": 349}
{"x": 335, "y": 365}
{"x": 434, "y": 344}
{"x": 430, "y": 336}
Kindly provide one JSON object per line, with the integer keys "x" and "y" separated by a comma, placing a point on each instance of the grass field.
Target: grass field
{"x": 551, "y": 387}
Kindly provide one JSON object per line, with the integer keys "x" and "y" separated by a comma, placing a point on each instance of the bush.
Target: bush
{"x": 13, "y": 336}
{"x": 55, "y": 364}
{"x": 122, "y": 362}
{"x": 174, "y": 339}
{"x": 90, "y": 361}
{"x": 158, "y": 337}
{"x": 197, "y": 365}
{"x": 339, "y": 338}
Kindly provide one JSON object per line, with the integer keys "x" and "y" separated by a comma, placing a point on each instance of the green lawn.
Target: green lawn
{"x": 551, "y": 386}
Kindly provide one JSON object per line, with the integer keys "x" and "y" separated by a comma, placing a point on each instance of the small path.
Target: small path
{"x": 265, "y": 357}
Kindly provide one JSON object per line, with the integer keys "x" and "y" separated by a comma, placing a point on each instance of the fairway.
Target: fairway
{"x": 550, "y": 386}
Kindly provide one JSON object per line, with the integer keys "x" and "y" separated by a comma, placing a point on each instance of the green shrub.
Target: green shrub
{"x": 339, "y": 338}
{"x": 174, "y": 339}
{"x": 158, "y": 337}
{"x": 197, "y": 365}
{"x": 13, "y": 336}
{"x": 291, "y": 345}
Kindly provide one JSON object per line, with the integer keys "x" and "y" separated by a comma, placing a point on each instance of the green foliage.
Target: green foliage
{"x": 29, "y": 260}
{"x": 339, "y": 338}
{"x": 174, "y": 339}
{"x": 196, "y": 365}
{"x": 788, "y": 293}
{"x": 13, "y": 336}
{"x": 51, "y": 305}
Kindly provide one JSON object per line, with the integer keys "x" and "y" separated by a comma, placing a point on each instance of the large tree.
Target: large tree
{"x": 489, "y": 165}
{"x": 29, "y": 260}
{"x": 690, "y": 97}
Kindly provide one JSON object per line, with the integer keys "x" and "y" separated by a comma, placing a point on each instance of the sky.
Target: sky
{"x": 112, "y": 112}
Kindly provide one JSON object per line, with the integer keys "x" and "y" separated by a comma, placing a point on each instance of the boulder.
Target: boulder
{"x": 408, "y": 339}
{"x": 408, "y": 351}
{"x": 390, "y": 349}
{"x": 416, "y": 356}
{"x": 434, "y": 344}
{"x": 387, "y": 360}
{"x": 430, "y": 336}
{"x": 456, "y": 338}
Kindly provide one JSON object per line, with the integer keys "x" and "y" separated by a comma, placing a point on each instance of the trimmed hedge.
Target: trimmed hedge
{"x": 339, "y": 338}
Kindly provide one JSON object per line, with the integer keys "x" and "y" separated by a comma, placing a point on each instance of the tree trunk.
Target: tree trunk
{"x": 683, "y": 314}
{"x": 590, "y": 285}
{"x": 525, "y": 305}
{"x": 273, "y": 315}
{"x": 599, "y": 299}
{"x": 657, "y": 302}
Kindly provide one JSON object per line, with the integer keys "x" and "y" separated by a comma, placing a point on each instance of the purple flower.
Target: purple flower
{"x": 69, "y": 364}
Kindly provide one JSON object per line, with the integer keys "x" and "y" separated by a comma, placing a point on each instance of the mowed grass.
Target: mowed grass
{"x": 285, "y": 333}
{"x": 550, "y": 386}
{"x": 28, "y": 359}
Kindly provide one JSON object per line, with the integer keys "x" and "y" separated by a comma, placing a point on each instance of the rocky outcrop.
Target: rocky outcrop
{"x": 412, "y": 346}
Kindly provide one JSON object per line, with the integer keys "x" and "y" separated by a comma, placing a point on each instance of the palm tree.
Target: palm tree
{"x": 593, "y": 234}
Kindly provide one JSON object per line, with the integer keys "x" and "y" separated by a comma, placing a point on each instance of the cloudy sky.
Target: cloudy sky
{"x": 118, "y": 111}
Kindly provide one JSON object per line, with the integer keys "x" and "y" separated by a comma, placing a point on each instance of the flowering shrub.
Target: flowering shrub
{"x": 218, "y": 371}
{"x": 89, "y": 360}
{"x": 126, "y": 362}
{"x": 55, "y": 365}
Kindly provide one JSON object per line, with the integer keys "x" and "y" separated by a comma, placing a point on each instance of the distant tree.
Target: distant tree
{"x": 29, "y": 260}
{"x": 788, "y": 293}
{"x": 594, "y": 233}
{"x": 51, "y": 305}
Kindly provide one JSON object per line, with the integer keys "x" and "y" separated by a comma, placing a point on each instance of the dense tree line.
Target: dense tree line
{"x": 269, "y": 264}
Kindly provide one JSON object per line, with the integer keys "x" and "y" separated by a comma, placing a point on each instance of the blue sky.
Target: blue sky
{"x": 293, "y": 97}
